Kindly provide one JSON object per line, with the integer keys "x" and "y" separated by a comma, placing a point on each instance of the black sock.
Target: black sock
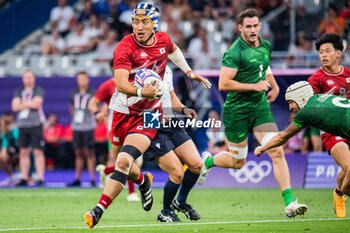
{"x": 187, "y": 184}
{"x": 170, "y": 190}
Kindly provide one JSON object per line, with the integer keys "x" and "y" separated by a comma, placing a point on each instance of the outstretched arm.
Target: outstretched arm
{"x": 177, "y": 57}
{"x": 280, "y": 139}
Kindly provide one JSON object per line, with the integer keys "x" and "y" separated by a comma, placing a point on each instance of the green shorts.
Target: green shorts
{"x": 239, "y": 124}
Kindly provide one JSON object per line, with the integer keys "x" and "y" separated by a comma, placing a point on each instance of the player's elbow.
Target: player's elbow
{"x": 222, "y": 86}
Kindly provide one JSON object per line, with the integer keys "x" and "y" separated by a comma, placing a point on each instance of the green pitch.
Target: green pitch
{"x": 222, "y": 210}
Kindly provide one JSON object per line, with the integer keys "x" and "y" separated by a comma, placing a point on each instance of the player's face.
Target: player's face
{"x": 250, "y": 29}
{"x": 328, "y": 55}
{"x": 293, "y": 106}
{"x": 143, "y": 29}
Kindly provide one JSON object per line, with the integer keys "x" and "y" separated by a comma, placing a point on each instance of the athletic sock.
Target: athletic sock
{"x": 187, "y": 184}
{"x": 209, "y": 162}
{"x": 140, "y": 179}
{"x": 287, "y": 196}
{"x": 104, "y": 202}
{"x": 109, "y": 170}
{"x": 131, "y": 187}
{"x": 338, "y": 192}
{"x": 170, "y": 190}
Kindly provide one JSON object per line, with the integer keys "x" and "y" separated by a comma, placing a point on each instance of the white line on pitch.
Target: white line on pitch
{"x": 177, "y": 224}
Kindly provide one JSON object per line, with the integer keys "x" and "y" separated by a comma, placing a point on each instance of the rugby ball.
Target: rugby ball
{"x": 145, "y": 76}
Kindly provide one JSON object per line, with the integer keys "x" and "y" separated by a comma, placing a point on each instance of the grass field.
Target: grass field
{"x": 222, "y": 210}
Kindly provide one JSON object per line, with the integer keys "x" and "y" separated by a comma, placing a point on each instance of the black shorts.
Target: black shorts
{"x": 31, "y": 137}
{"x": 165, "y": 141}
{"x": 83, "y": 139}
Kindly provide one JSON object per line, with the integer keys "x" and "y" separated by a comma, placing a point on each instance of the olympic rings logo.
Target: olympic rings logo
{"x": 252, "y": 171}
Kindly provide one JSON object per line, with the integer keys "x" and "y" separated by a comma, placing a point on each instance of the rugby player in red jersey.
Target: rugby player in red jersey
{"x": 144, "y": 48}
{"x": 333, "y": 78}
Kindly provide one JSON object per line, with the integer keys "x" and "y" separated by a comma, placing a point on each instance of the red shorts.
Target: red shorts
{"x": 330, "y": 140}
{"x": 123, "y": 124}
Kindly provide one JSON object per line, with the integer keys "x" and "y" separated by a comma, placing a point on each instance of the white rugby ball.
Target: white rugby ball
{"x": 145, "y": 76}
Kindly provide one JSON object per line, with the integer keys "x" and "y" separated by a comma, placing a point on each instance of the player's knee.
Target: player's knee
{"x": 123, "y": 164}
{"x": 196, "y": 167}
{"x": 177, "y": 175}
{"x": 276, "y": 153}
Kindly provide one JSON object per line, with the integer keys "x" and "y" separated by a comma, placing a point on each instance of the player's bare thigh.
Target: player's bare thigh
{"x": 171, "y": 164}
{"x": 341, "y": 155}
{"x": 188, "y": 154}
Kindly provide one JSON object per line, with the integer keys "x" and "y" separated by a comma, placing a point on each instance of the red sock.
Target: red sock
{"x": 338, "y": 192}
{"x": 131, "y": 187}
{"x": 140, "y": 179}
{"x": 109, "y": 169}
{"x": 104, "y": 202}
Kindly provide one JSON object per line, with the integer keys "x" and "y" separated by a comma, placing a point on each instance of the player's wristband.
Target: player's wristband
{"x": 183, "y": 110}
{"x": 139, "y": 92}
{"x": 97, "y": 112}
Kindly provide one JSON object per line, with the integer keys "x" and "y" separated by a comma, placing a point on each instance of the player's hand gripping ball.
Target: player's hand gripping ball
{"x": 145, "y": 76}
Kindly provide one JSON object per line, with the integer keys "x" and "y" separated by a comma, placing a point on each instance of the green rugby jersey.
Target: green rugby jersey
{"x": 329, "y": 113}
{"x": 251, "y": 63}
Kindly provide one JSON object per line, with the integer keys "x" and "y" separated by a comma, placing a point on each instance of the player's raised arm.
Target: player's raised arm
{"x": 280, "y": 139}
{"x": 275, "y": 90}
{"x": 177, "y": 57}
{"x": 124, "y": 86}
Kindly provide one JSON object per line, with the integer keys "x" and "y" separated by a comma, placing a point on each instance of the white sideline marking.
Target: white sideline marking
{"x": 177, "y": 224}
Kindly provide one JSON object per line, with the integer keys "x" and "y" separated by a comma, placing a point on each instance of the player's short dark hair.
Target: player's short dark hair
{"x": 334, "y": 39}
{"x": 248, "y": 13}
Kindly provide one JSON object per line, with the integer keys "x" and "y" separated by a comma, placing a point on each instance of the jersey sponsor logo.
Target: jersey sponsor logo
{"x": 151, "y": 120}
{"x": 116, "y": 139}
{"x": 348, "y": 80}
{"x": 143, "y": 54}
{"x": 330, "y": 82}
{"x": 338, "y": 138}
{"x": 252, "y": 171}
{"x": 162, "y": 50}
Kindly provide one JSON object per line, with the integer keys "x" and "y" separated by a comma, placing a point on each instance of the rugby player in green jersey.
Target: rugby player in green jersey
{"x": 329, "y": 113}
{"x": 246, "y": 76}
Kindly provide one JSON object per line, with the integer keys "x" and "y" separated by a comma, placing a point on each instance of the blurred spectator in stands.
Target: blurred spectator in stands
{"x": 296, "y": 143}
{"x": 77, "y": 41}
{"x": 104, "y": 31}
{"x": 83, "y": 125}
{"x": 62, "y": 17}
{"x": 333, "y": 23}
{"x": 296, "y": 51}
{"x": 53, "y": 44}
{"x": 101, "y": 8}
{"x": 216, "y": 136}
{"x": 117, "y": 7}
{"x": 28, "y": 101}
{"x": 178, "y": 10}
{"x": 175, "y": 33}
{"x": 346, "y": 55}
{"x": 84, "y": 15}
{"x": 126, "y": 16}
{"x": 9, "y": 148}
{"x": 52, "y": 135}
{"x": 201, "y": 51}
{"x": 92, "y": 30}
{"x": 104, "y": 48}
{"x": 280, "y": 27}
{"x": 345, "y": 14}
{"x": 197, "y": 7}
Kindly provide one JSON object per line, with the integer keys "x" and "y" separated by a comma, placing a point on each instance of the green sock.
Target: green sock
{"x": 209, "y": 162}
{"x": 287, "y": 196}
